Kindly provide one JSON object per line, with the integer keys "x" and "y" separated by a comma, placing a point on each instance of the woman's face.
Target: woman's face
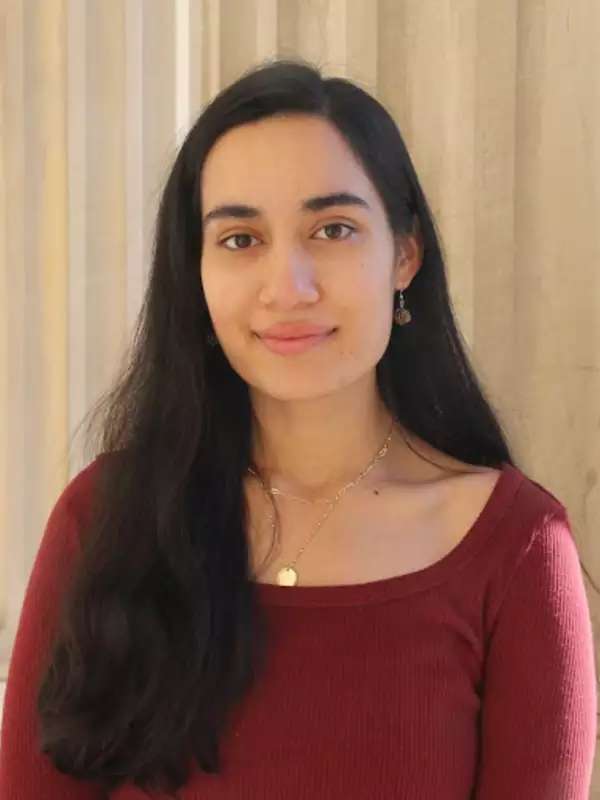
{"x": 284, "y": 261}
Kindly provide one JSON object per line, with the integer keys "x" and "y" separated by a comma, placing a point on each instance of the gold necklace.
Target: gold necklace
{"x": 288, "y": 575}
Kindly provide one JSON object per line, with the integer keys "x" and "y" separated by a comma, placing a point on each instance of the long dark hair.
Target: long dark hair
{"x": 154, "y": 651}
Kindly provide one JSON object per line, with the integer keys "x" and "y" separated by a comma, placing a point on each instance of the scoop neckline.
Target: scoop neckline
{"x": 504, "y": 491}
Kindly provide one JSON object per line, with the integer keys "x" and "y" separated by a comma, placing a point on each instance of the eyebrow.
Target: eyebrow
{"x": 317, "y": 203}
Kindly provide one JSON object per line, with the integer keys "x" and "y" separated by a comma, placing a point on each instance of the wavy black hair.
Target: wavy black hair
{"x": 154, "y": 651}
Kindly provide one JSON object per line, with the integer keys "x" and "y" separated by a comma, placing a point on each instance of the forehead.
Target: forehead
{"x": 275, "y": 161}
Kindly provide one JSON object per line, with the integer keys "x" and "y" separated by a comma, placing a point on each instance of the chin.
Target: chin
{"x": 285, "y": 386}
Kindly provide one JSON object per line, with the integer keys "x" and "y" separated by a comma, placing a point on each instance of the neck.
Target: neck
{"x": 313, "y": 447}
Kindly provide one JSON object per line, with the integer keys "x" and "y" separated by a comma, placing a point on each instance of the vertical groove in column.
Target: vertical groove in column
{"x": 214, "y": 60}
{"x": 14, "y": 319}
{"x": 5, "y": 293}
{"x": 182, "y": 69}
{"x": 267, "y": 23}
{"x": 311, "y": 38}
{"x": 362, "y": 43}
{"x": 105, "y": 194}
{"x": 134, "y": 138}
{"x": 336, "y": 28}
{"x": 492, "y": 203}
{"x": 158, "y": 111}
{"x": 237, "y": 38}
{"x": 288, "y": 27}
{"x": 77, "y": 235}
{"x": 530, "y": 232}
{"x": 198, "y": 78}
{"x": 47, "y": 263}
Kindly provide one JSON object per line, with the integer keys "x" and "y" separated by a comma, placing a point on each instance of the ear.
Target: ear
{"x": 409, "y": 256}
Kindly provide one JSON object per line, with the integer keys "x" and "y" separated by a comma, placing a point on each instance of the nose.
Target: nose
{"x": 289, "y": 278}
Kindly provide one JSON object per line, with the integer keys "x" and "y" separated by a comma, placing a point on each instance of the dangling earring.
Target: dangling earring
{"x": 210, "y": 340}
{"x": 402, "y": 315}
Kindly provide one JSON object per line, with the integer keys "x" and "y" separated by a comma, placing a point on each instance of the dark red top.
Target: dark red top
{"x": 471, "y": 679}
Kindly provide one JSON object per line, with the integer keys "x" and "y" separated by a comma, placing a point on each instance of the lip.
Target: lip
{"x": 294, "y": 330}
{"x": 298, "y": 344}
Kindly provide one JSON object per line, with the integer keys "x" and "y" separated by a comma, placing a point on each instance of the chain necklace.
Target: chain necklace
{"x": 288, "y": 575}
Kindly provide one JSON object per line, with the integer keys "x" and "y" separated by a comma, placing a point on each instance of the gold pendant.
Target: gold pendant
{"x": 287, "y": 576}
{"x": 402, "y": 316}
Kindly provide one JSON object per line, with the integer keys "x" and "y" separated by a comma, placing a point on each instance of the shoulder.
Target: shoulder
{"x": 79, "y": 490}
{"x": 477, "y": 482}
{"x": 59, "y": 541}
{"x": 533, "y": 548}
{"x": 460, "y": 488}
{"x": 72, "y": 507}
{"x": 527, "y": 513}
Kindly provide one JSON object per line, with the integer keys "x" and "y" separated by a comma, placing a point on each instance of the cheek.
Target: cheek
{"x": 371, "y": 302}
{"x": 220, "y": 296}
{"x": 371, "y": 324}
{"x": 365, "y": 330}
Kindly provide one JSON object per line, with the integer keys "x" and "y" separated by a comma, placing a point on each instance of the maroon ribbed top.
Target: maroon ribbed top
{"x": 471, "y": 679}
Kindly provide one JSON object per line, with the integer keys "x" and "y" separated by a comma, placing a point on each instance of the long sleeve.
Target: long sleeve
{"x": 538, "y": 722}
{"x": 25, "y": 772}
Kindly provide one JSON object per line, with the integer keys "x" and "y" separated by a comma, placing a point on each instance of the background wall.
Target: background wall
{"x": 499, "y": 104}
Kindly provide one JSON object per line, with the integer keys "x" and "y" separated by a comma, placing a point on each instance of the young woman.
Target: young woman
{"x": 302, "y": 562}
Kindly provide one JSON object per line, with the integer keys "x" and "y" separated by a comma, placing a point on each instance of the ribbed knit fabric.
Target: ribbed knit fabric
{"x": 471, "y": 679}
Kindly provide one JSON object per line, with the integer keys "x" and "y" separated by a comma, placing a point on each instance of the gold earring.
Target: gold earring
{"x": 402, "y": 315}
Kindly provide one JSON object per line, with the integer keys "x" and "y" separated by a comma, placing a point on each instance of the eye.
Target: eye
{"x": 236, "y": 236}
{"x": 338, "y": 225}
{"x": 246, "y": 236}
